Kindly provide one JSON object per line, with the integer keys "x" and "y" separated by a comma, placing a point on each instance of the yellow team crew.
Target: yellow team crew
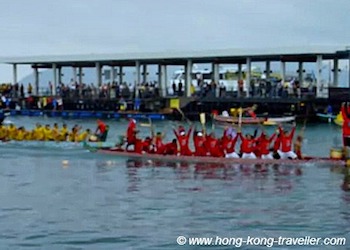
{"x": 41, "y": 133}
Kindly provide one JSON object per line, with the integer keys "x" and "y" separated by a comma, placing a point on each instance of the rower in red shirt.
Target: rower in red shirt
{"x": 199, "y": 143}
{"x": 286, "y": 138}
{"x": 183, "y": 139}
{"x": 131, "y": 133}
{"x": 171, "y": 148}
{"x": 228, "y": 145}
{"x": 264, "y": 145}
{"x": 247, "y": 146}
{"x": 213, "y": 146}
{"x": 345, "y": 111}
{"x": 159, "y": 147}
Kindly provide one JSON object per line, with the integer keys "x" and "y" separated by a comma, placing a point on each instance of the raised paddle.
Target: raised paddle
{"x": 202, "y": 120}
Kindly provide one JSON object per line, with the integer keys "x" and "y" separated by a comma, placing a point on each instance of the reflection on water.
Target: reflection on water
{"x": 268, "y": 177}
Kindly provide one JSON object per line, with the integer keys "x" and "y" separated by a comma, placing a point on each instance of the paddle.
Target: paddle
{"x": 184, "y": 117}
{"x": 240, "y": 120}
{"x": 202, "y": 120}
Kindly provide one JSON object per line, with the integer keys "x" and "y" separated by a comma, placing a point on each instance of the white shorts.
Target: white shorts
{"x": 232, "y": 155}
{"x": 267, "y": 156}
{"x": 248, "y": 156}
{"x": 287, "y": 155}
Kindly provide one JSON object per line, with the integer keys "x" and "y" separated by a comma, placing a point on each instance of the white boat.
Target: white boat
{"x": 276, "y": 120}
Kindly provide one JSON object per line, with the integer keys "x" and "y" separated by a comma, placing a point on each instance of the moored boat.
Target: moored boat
{"x": 256, "y": 120}
{"x": 326, "y": 117}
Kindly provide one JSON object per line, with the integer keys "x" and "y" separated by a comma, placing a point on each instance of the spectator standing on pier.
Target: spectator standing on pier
{"x": 21, "y": 89}
{"x": 30, "y": 89}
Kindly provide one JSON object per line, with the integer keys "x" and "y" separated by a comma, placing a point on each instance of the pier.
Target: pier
{"x": 193, "y": 95}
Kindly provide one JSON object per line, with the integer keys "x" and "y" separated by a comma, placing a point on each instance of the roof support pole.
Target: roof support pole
{"x": 54, "y": 75}
{"x": 162, "y": 79}
{"x": 216, "y": 77}
{"x": 300, "y": 73}
{"x": 74, "y": 75}
{"x": 138, "y": 78}
{"x": 335, "y": 72}
{"x": 59, "y": 77}
{"x": 14, "y": 73}
{"x": 120, "y": 75}
{"x": 188, "y": 82}
{"x": 268, "y": 69}
{"x": 319, "y": 87}
{"x": 248, "y": 73}
{"x": 283, "y": 72}
{"x": 144, "y": 73}
{"x": 80, "y": 84}
{"x": 112, "y": 74}
{"x": 98, "y": 74}
{"x": 36, "y": 82}
{"x": 239, "y": 78}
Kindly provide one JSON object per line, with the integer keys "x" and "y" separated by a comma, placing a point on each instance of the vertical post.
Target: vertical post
{"x": 248, "y": 73}
{"x": 268, "y": 69}
{"x": 112, "y": 75}
{"x": 54, "y": 85}
{"x": 335, "y": 72}
{"x": 120, "y": 75}
{"x": 14, "y": 74}
{"x": 162, "y": 79}
{"x": 188, "y": 81}
{"x": 36, "y": 81}
{"x": 216, "y": 77}
{"x": 74, "y": 74}
{"x": 98, "y": 74}
{"x": 319, "y": 89}
{"x": 300, "y": 73}
{"x": 138, "y": 78}
{"x": 80, "y": 84}
{"x": 59, "y": 80}
{"x": 283, "y": 71}
{"x": 144, "y": 73}
{"x": 239, "y": 79}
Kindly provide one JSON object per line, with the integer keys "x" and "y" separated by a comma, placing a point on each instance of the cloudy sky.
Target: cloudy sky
{"x": 41, "y": 27}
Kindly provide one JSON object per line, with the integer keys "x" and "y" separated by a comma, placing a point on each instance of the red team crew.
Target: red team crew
{"x": 208, "y": 145}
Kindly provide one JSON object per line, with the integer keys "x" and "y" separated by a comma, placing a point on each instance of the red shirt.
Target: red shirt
{"x": 101, "y": 126}
{"x": 214, "y": 147}
{"x": 170, "y": 148}
{"x": 247, "y": 145}
{"x": 346, "y": 123}
{"x": 199, "y": 145}
{"x": 184, "y": 142}
{"x": 159, "y": 145}
{"x": 130, "y": 132}
{"x": 229, "y": 144}
{"x": 264, "y": 143}
{"x": 286, "y": 141}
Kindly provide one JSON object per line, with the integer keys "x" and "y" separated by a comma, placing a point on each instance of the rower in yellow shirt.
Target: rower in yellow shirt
{"x": 3, "y": 133}
{"x": 29, "y": 135}
{"x": 63, "y": 133}
{"x": 11, "y": 132}
{"x": 20, "y": 134}
{"x": 48, "y": 133}
{"x": 55, "y": 132}
{"x": 83, "y": 136}
{"x": 74, "y": 133}
{"x": 38, "y": 132}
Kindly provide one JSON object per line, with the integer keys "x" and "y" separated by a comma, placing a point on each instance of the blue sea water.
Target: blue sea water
{"x": 105, "y": 202}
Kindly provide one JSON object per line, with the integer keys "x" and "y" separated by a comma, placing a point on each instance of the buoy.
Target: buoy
{"x": 65, "y": 162}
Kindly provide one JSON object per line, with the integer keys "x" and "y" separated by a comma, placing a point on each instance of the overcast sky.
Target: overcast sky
{"x": 42, "y": 27}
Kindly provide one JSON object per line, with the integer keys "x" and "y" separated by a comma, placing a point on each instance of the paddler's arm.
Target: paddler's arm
{"x": 272, "y": 137}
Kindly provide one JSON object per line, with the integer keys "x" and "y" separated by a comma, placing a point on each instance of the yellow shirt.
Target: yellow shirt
{"x": 39, "y": 134}
{"x": 48, "y": 134}
{"x": 82, "y": 136}
{"x": 12, "y": 131}
{"x": 20, "y": 135}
